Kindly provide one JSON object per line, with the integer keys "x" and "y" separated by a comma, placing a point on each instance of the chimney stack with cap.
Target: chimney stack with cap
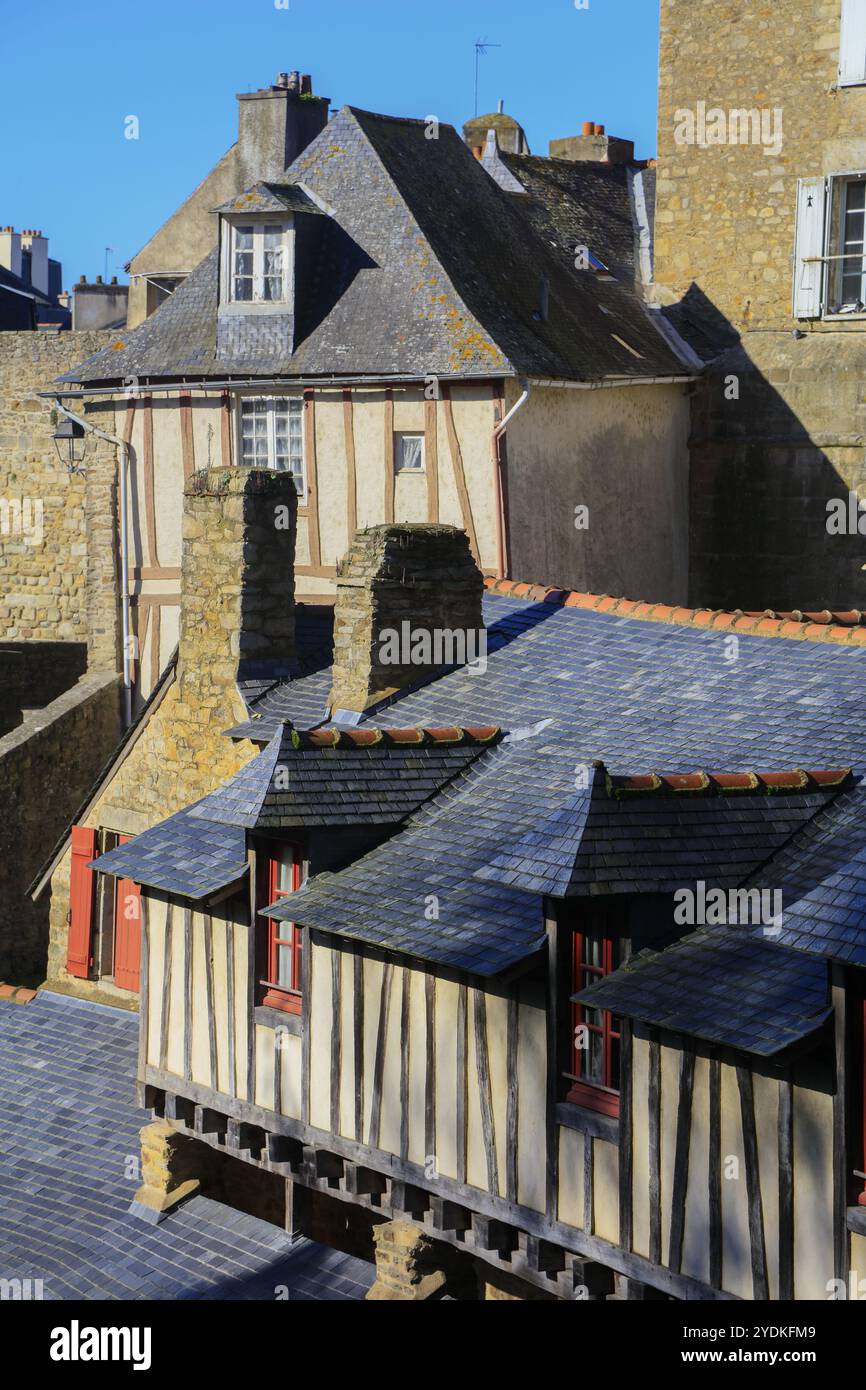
{"x": 595, "y": 144}
{"x": 237, "y": 583}
{"x": 10, "y": 250}
{"x": 408, "y": 601}
{"x": 275, "y": 125}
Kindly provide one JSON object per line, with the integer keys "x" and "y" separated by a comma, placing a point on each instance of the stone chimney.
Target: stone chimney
{"x": 10, "y": 250}
{"x": 408, "y": 602}
{"x": 36, "y": 246}
{"x": 237, "y": 583}
{"x": 99, "y": 305}
{"x": 510, "y": 134}
{"x": 593, "y": 144}
{"x": 275, "y": 125}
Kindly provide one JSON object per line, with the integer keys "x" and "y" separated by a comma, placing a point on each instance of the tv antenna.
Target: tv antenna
{"x": 481, "y": 47}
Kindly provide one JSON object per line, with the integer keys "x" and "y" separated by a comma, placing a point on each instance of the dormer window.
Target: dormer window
{"x": 259, "y": 263}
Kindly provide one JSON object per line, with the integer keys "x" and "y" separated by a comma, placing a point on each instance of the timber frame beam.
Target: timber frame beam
{"x": 560, "y": 1259}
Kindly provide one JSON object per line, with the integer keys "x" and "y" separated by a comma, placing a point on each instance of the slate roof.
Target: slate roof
{"x": 589, "y": 685}
{"x": 577, "y": 203}
{"x": 417, "y": 894}
{"x": 724, "y": 986}
{"x": 639, "y": 841}
{"x": 570, "y": 686}
{"x": 272, "y": 197}
{"x": 182, "y": 855}
{"x": 69, "y": 1126}
{"x": 9, "y": 280}
{"x": 426, "y": 268}
{"x": 309, "y": 680}
{"x": 822, "y": 879}
{"x": 299, "y": 781}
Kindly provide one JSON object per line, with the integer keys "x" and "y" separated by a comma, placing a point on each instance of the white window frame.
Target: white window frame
{"x": 832, "y": 247}
{"x": 852, "y": 44}
{"x": 271, "y": 402}
{"x": 259, "y": 225}
{"x": 399, "y": 436}
{"x": 838, "y": 225}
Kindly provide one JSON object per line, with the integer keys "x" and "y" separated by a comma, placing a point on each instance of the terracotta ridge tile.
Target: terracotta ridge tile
{"x": 825, "y": 625}
{"x": 726, "y": 783}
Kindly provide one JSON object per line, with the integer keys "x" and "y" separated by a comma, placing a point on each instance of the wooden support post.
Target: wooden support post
{"x": 449, "y": 1216}
{"x": 408, "y": 1200}
{"x": 298, "y": 1211}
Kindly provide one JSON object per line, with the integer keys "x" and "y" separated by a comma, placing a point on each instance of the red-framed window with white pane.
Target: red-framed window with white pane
{"x": 282, "y": 874}
{"x": 593, "y": 1075}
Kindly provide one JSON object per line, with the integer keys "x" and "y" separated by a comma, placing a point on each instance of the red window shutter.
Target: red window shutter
{"x": 127, "y": 933}
{"x": 81, "y": 888}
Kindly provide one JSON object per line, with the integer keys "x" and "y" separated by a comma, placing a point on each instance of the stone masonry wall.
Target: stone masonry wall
{"x": 393, "y": 576}
{"x": 779, "y": 429}
{"x": 237, "y": 606}
{"x": 725, "y": 214}
{"x": 764, "y": 467}
{"x": 43, "y": 585}
{"x": 47, "y": 765}
{"x": 32, "y": 674}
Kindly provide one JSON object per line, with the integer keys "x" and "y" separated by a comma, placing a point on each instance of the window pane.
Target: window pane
{"x": 242, "y": 264}
{"x": 614, "y": 1064}
{"x": 271, "y": 433}
{"x": 284, "y": 967}
{"x": 594, "y": 1059}
{"x": 408, "y": 454}
{"x": 593, "y": 951}
{"x": 852, "y": 288}
{"x": 254, "y": 433}
{"x": 284, "y": 863}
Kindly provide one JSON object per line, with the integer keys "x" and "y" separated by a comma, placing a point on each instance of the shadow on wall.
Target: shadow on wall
{"x": 778, "y": 437}
{"x": 32, "y": 674}
{"x": 48, "y": 762}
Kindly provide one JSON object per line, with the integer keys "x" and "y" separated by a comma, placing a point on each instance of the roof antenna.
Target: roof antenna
{"x": 481, "y": 46}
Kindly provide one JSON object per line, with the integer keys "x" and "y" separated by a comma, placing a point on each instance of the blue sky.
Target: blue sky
{"x": 72, "y": 70}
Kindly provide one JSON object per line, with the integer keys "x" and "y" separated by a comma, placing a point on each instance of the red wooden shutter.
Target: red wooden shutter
{"x": 81, "y": 887}
{"x": 127, "y": 933}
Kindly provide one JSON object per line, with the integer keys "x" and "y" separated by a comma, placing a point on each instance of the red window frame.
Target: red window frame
{"x": 589, "y": 1092}
{"x": 282, "y": 934}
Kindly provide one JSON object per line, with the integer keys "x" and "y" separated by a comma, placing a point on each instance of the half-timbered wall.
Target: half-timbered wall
{"x": 716, "y": 1181}
{"x": 434, "y": 1071}
{"x": 732, "y": 1170}
{"x": 351, "y": 482}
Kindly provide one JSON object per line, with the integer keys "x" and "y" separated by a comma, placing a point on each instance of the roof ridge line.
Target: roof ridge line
{"x": 847, "y": 628}
{"x": 691, "y": 784}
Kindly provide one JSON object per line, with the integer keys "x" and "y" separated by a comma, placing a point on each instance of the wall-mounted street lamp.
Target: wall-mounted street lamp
{"x": 70, "y": 443}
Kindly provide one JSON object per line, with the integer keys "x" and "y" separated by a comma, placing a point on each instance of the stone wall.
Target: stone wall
{"x": 47, "y": 765}
{"x": 238, "y": 607}
{"x": 778, "y": 427}
{"x": 32, "y": 674}
{"x": 48, "y": 516}
{"x": 393, "y": 578}
{"x": 725, "y": 214}
{"x": 764, "y": 468}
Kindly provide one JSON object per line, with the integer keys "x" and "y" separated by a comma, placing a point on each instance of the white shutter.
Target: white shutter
{"x": 808, "y": 247}
{"x": 852, "y": 44}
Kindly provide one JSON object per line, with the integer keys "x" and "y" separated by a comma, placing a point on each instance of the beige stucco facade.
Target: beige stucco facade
{"x": 621, "y": 454}
{"x": 598, "y": 490}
